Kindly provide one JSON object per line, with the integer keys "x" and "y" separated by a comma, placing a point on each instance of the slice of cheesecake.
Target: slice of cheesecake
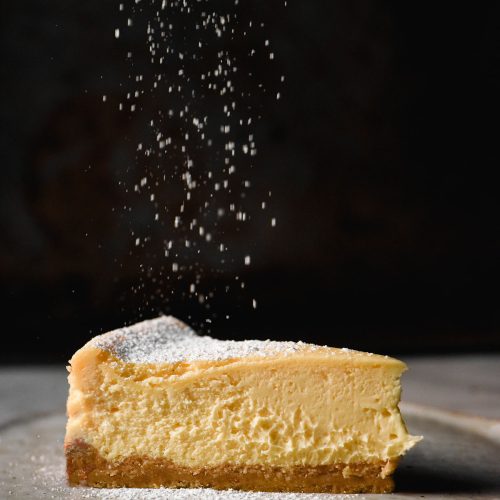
{"x": 155, "y": 405}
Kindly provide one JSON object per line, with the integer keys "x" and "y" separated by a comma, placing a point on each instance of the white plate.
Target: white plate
{"x": 459, "y": 458}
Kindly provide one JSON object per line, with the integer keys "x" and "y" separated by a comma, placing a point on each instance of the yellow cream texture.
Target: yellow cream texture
{"x": 310, "y": 408}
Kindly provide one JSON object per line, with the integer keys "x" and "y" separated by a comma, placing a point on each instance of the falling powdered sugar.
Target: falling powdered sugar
{"x": 202, "y": 78}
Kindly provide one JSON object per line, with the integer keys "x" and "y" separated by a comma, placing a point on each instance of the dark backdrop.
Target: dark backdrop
{"x": 382, "y": 156}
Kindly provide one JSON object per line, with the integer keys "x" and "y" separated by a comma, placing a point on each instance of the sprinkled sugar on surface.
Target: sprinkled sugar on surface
{"x": 208, "y": 494}
{"x": 53, "y": 476}
{"x": 168, "y": 340}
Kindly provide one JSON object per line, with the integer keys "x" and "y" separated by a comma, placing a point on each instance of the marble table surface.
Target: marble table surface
{"x": 458, "y": 393}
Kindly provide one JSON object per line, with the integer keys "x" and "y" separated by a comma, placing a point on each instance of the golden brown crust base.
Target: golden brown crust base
{"x": 87, "y": 468}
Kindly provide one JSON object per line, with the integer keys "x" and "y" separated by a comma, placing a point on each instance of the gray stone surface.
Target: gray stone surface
{"x": 466, "y": 384}
{"x": 29, "y": 391}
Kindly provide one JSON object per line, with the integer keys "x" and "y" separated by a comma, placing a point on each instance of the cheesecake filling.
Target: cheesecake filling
{"x": 305, "y": 409}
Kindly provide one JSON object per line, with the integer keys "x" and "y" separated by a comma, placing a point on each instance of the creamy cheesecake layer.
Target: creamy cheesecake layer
{"x": 280, "y": 404}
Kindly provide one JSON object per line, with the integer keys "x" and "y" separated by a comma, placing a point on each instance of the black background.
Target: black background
{"x": 382, "y": 155}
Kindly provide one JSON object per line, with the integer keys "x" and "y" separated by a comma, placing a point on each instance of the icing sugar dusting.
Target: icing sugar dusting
{"x": 209, "y": 494}
{"x": 168, "y": 340}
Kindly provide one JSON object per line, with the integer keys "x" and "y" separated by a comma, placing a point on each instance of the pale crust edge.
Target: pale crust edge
{"x": 85, "y": 467}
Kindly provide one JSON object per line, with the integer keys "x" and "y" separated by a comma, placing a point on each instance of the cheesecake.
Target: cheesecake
{"x": 155, "y": 404}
